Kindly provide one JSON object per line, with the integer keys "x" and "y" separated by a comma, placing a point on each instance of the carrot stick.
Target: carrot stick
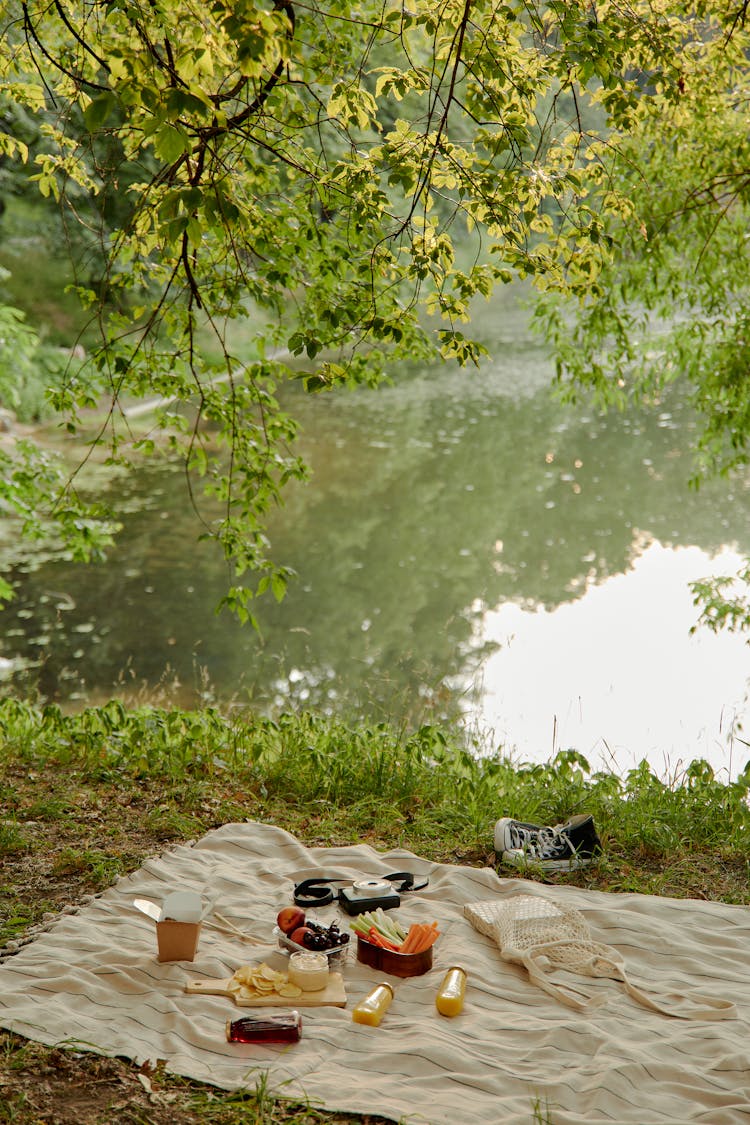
{"x": 422, "y": 940}
{"x": 411, "y": 937}
{"x": 404, "y": 947}
{"x": 428, "y": 936}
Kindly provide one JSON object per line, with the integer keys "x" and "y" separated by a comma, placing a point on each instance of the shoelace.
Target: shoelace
{"x": 543, "y": 842}
{"x": 520, "y": 836}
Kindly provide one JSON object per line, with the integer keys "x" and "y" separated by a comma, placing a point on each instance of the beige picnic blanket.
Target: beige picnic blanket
{"x": 515, "y": 1054}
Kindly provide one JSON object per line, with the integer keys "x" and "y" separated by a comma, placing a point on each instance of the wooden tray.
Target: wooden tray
{"x": 333, "y": 994}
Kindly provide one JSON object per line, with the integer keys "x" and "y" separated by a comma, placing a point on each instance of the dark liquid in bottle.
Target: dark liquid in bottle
{"x": 284, "y": 1027}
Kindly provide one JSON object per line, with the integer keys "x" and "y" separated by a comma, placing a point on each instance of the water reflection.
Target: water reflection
{"x": 614, "y": 675}
{"x": 442, "y": 511}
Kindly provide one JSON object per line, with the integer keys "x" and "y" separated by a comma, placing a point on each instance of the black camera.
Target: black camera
{"x": 368, "y": 894}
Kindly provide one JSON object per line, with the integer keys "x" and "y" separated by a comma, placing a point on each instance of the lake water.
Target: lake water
{"x": 467, "y": 547}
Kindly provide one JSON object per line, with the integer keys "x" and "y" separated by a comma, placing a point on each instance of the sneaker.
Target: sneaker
{"x": 565, "y": 847}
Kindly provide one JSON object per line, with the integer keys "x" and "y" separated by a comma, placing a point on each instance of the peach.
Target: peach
{"x": 290, "y": 918}
{"x": 298, "y": 936}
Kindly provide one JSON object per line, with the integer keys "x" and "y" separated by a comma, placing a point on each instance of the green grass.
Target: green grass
{"x": 13, "y": 839}
{"x": 91, "y": 795}
{"x": 421, "y": 788}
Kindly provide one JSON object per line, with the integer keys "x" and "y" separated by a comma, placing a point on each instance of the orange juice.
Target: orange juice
{"x": 371, "y": 1009}
{"x": 450, "y": 996}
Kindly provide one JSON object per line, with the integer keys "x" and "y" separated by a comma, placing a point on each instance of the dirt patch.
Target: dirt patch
{"x": 70, "y": 1088}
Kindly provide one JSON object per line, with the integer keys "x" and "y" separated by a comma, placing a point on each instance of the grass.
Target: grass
{"x": 90, "y": 796}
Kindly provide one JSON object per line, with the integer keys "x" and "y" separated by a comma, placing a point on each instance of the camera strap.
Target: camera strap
{"x": 322, "y": 889}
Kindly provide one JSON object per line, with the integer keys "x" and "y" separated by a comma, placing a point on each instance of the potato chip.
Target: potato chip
{"x": 244, "y": 975}
{"x": 258, "y": 982}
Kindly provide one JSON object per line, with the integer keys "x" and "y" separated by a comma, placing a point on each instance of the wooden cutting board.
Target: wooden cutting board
{"x": 333, "y": 994}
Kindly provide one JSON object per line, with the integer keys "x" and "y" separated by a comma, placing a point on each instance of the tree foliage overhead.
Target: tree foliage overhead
{"x": 672, "y": 299}
{"x": 356, "y": 175}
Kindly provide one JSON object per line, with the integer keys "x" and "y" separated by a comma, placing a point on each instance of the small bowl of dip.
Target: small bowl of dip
{"x": 309, "y": 971}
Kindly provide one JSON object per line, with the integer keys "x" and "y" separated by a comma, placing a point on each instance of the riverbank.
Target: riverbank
{"x": 540, "y": 602}
{"x": 88, "y": 797}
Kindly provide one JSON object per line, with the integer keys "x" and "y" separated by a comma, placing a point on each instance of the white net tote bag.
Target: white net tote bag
{"x": 544, "y": 936}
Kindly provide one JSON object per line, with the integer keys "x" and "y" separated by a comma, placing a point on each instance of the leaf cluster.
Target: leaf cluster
{"x": 359, "y": 179}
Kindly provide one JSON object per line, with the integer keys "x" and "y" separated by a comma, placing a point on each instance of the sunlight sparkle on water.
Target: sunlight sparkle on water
{"x": 651, "y": 690}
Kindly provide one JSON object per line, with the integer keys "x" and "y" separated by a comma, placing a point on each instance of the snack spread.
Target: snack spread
{"x": 395, "y": 948}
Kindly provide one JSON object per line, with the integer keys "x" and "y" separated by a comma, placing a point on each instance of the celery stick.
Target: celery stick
{"x": 389, "y": 927}
{"x": 378, "y": 919}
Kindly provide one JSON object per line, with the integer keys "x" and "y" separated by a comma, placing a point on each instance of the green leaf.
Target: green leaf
{"x": 170, "y": 143}
{"x": 99, "y": 110}
{"x": 278, "y": 586}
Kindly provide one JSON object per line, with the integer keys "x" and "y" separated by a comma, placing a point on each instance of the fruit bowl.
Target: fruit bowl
{"x": 336, "y": 955}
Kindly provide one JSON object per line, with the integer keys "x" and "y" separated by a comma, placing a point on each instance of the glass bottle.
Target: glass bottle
{"x": 450, "y": 996}
{"x": 281, "y": 1027}
{"x": 371, "y": 1008}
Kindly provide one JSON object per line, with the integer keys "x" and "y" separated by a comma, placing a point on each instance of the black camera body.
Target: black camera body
{"x": 368, "y": 895}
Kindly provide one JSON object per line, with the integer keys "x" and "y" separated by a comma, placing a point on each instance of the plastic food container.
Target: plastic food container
{"x": 336, "y": 956}
{"x": 397, "y": 964}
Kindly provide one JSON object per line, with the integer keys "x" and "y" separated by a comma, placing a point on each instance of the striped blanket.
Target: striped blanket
{"x": 514, "y": 1055}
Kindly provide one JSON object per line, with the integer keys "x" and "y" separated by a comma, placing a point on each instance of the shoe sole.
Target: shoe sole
{"x": 528, "y": 862}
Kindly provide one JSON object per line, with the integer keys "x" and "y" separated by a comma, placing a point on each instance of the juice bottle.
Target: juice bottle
{"x": 450, "y": 996}
{"x": 371, "y": 1009}
{"x": 281, "y": 1027}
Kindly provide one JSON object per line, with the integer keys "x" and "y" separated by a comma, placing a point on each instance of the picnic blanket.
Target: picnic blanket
{"x": 515, "y": 1054}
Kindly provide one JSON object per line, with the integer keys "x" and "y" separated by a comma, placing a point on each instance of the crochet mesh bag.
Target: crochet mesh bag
{"x": 545, "y": 936}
